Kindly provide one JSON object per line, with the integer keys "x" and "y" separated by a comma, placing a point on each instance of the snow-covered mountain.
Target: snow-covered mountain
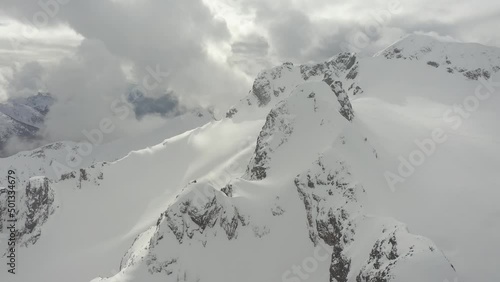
{"x": 471, "y": 60}
{"x": 271, "y": 86}
{"x": 291, "y": 186}
{"x": 23, "y": 117}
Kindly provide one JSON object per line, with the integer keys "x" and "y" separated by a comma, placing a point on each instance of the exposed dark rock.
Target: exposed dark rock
{"x": 201, "y": 217}
{"x": 35, "y": 205}
{"x": 261, "y": 89}
{"x": 333, "y": 227}
{"x": 231, "y": 112}
{"x": 228, "y": 190}
{"x": 434, "y": 64}
{"x": 476, "y": 74}
{"x": 346, "y": 107}
{"x": 274, "y": 123}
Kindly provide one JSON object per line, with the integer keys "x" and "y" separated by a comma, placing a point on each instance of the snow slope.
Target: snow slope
{"x": 106, "y": 228}
{"x": 291, "y": 186}
{"x": 54, "y": 160}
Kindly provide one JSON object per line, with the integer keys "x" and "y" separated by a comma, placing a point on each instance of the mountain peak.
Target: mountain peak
{"x": 274, "y": 85}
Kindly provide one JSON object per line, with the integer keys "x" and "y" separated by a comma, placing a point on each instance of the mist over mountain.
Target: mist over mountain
{"x": 22, "y": 119}
{"x": 25, "y": 124}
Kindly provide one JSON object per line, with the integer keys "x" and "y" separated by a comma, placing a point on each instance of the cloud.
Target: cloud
{"x": 291, "y": 34}
{"x": 175, "y": 35}
{"x": 305, "y": 31}
{"x": 172, "y": 35}
{"x": 27, "y": 81}
{"x": 84, "y": 85}
{"x": 250, "y": 53}
{"x": 252, "y": 45}
{"x": 16, "y": 144}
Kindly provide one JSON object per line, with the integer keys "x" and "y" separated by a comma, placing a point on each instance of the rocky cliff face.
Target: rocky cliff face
{"x": 274, "y": 85}
{"x": 35, "y": 202}
{"x": 202, "y": 210}
{"x": 364, "y": 248}
{"x": 34, "y": 205}
{"x": 313, "y": 107}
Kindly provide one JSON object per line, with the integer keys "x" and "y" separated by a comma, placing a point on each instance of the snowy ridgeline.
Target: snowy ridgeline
{"x": 290, "y": 186}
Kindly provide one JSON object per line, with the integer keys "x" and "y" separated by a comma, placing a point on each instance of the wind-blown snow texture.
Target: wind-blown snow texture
{"x": 296, "y": 168}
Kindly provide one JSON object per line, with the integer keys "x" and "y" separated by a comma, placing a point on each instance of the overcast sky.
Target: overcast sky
{"x": 87, "y": 52}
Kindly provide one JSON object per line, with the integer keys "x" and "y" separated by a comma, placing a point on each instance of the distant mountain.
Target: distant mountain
{"x": 23, "y": 117}
{"x": 471, "y": 60}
